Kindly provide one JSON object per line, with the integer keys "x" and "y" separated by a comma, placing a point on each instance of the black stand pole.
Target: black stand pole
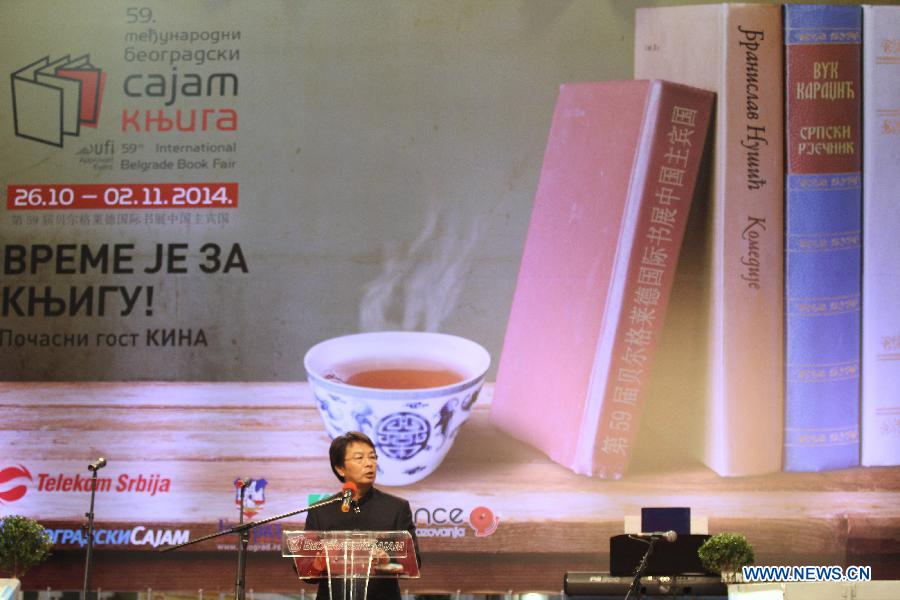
{"x": 639, "y": 572}
{"x": 243, "y": 530}
{"x": 244, "y": 535}
{"x": 252, "y": 524}
{"x": 90, "y": 532}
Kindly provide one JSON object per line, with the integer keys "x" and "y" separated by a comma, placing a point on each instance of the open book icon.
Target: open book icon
{"x": 55, "y": 98}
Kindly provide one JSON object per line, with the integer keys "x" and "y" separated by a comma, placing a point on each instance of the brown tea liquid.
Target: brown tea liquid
{"x": 404, "y": 379}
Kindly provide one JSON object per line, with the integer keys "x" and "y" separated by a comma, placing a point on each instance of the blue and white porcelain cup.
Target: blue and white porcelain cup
{"x": 412, "y": 428}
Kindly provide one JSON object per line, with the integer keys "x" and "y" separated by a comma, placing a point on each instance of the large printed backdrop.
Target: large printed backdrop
{"x": 202, "y": 193}
{"x": 198, "y": 192}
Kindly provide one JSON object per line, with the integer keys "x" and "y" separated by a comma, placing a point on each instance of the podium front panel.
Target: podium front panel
{"x": 351, "y": 554}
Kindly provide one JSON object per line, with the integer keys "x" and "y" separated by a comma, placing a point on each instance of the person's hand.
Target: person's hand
{"x": 319, "y": 564}
{"x": 380, "y": 557}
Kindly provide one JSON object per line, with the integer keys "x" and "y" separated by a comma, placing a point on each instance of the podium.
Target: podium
{"x": 347, "y": 561}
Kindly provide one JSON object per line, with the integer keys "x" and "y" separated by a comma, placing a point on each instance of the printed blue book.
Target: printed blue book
{"x": 823, "y": 236}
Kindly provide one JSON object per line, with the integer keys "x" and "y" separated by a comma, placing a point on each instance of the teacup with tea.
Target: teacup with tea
{"x": 408, "y": 391}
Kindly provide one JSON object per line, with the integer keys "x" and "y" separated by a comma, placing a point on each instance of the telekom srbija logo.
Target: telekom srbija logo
{"x": 55, "y": 98}
{"x": 13, "y": 483}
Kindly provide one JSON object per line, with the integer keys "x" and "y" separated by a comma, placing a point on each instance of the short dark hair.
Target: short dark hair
{"x": 339, "y": 448}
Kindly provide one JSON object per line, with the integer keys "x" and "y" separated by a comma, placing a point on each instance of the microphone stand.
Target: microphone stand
{"x": 90, "y": 537}
{"x": 639, "y": 571}
{"x": 243, "y": 529}
{"x": 244, "y": 536}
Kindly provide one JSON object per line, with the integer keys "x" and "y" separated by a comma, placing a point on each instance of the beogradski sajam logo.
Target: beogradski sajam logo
{"x": 54, "y": 98}
{"x": 13, "y": 483}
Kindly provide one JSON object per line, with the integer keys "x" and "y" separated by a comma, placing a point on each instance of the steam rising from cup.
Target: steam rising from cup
{"x": 420, "y": 283}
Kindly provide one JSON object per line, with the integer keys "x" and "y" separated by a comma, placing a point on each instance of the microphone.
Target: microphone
{"x": 669, "y": 536}
{"x": 97, "y": 464}
{"x": 348, "y": 489}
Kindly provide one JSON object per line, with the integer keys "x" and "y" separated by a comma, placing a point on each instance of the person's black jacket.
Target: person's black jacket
{"x": 378, "y": 511}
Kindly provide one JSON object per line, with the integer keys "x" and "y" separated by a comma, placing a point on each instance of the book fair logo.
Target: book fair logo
{"x": 13, "y": 483}
{"x": 55, "y": 98}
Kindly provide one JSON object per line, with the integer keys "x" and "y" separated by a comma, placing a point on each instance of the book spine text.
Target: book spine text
{"x": 665, "y": 178}
{"x": 823, "y": 236}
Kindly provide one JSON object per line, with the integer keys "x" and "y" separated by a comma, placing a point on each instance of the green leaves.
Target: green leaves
{"x": 726, "y": 552}
{"x": 23, "y": 544}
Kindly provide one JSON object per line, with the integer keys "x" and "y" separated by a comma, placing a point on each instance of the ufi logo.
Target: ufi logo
{"x": 13, "y": 483}
{"x": 254, "y": 495}
{"x": 54, "y": 98}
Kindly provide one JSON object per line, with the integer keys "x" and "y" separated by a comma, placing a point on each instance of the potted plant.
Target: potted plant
{"x": 726, "y": 553}
{"x": 24, "y": 543}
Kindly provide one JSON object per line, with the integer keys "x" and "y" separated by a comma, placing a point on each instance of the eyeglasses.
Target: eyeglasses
{"x": 362, "y": 458}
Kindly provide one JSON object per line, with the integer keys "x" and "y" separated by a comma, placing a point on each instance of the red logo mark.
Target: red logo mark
{"x": 483, "y": 521}
{"x": 55, "y": 98}
{"x": 10, "y": 474}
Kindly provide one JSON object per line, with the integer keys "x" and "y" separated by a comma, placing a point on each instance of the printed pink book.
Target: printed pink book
{"x": 609, "y": 216}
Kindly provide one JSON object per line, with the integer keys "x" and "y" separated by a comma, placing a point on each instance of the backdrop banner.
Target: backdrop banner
{"x": 193, "y": 194}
